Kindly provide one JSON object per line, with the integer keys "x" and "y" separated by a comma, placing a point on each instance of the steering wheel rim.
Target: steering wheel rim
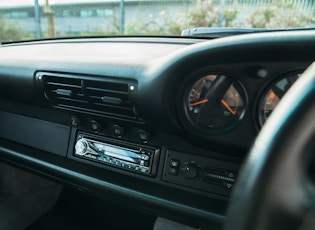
{"x": 273, "y": 190}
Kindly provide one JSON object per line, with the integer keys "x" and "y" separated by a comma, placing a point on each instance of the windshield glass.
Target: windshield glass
{"x": 38, "y": 19}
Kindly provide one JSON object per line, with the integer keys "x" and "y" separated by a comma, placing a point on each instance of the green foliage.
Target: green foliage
{"x": 161, "y": 25}
{"x": 280, "y": 15}
{"x": 277, "y": 14}
{"x": 11, "y": 32}
{"x": 261, "y": 17}
{"x": 205, "y": 14}
{"x": 229, "y": 16}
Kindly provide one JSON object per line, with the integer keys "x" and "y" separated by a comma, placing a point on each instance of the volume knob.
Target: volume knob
{"x": 190, "y": 171}
{"x": 81, "y": 147}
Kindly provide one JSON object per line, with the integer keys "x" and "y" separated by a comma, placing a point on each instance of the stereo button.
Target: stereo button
{"x": 144, "y": 135}
{"x": 173, "y": 171}
{"x": 174, "y": 163}
{"x": 145, "y": 157}
{"x": 118, "y": 131}
{"x": 95, "y": 126}
{"x": 75, "y": 122}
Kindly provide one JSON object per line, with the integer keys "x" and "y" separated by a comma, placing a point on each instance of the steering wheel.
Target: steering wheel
{"x": 275, "y": 189}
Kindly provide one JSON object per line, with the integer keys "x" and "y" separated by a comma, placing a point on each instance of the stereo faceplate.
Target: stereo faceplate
{"x": 128, "y": 156}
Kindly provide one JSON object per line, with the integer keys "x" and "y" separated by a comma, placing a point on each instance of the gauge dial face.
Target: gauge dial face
{"x": 214, "y": 103}
{"x": 273, "y": 95}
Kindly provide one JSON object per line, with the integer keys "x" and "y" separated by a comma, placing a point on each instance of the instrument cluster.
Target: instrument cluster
{"x": 214, "y": 103}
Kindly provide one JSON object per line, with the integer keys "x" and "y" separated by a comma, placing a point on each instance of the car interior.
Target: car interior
{"x": 158, "y": 132}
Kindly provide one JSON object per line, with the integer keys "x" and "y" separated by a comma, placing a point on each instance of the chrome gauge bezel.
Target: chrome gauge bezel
{"x": 194, "y": 127}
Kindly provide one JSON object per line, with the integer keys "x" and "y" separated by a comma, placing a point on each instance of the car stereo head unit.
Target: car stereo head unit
{"x": 119, "y": 154}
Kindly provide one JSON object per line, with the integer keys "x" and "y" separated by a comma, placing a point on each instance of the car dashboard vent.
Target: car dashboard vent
{"x": 92, "y": 95}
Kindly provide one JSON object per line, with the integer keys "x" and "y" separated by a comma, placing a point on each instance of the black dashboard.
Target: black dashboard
{"x": 162, "y": 124}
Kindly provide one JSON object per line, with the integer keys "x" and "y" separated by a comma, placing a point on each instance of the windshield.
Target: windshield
{"x": 39, "y": 19}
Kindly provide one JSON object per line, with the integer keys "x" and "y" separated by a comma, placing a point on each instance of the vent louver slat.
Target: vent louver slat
{"x": 100, "y": 96}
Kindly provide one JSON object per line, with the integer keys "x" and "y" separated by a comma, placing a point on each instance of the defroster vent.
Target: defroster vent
{"x": 89, "y": 94}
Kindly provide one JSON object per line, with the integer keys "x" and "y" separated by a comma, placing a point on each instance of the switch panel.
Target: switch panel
{"x": 199, "y": 172}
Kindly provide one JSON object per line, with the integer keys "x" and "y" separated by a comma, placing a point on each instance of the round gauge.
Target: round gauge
{"x": 214, "y": 103}
{"x": 273, "y": 95}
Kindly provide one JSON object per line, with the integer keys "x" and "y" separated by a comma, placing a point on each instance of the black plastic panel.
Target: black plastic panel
{"x": 43, "y": 135}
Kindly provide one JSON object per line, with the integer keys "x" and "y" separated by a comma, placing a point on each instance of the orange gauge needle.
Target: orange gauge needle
{"x": 228, "y": 107}
{"x": 199, "y": 102}
{"x": 272, "y": 95}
